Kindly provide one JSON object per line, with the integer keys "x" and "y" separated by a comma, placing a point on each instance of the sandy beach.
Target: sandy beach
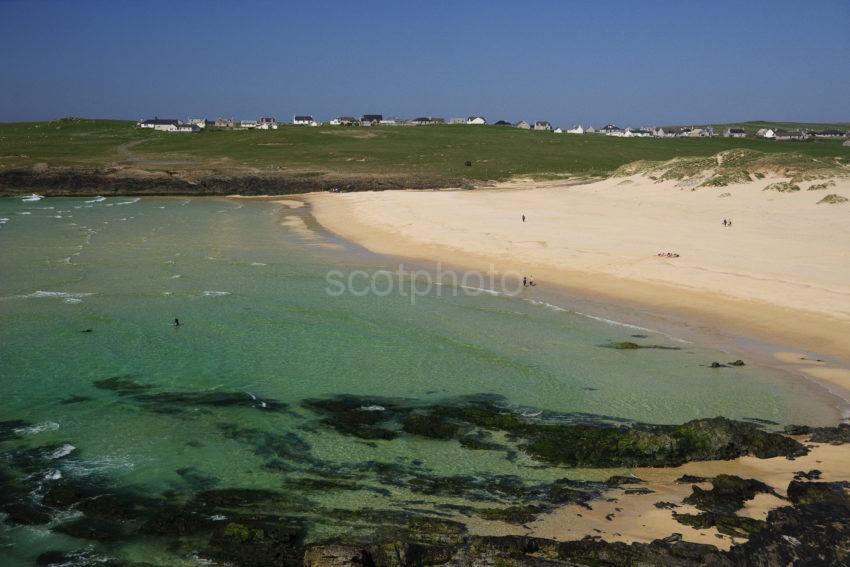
{"x": 780, "y": 273}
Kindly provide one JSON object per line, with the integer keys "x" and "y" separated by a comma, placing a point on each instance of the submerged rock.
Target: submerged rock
{"x": 628, "y": 345}
{"x": 122, "y": 385}
{"x": 257, "y": 542}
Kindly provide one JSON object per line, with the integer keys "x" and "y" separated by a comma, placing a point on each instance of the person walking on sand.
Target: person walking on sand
{"x": 524, "y": 281}
{"x": 724, "y": 222}
{"x": 523, "y": 218}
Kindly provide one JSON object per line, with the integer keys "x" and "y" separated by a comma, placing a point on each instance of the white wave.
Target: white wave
{"x": 97, "y": 199}
{"x": 4, "y": 220}
{"x": 175, "y": 276}
{"x": 25, "y": 213}
{"x": 130, "y": 202}
{"x": 216, "y": 293}
{"x": 218, "y": 517}
{"x": 38, "y": 428}
{"x": 372, "y": 408}
{"x": 53, "y": 475}
{"x": 258, "y": 264}
{"x": 32, "y": 198}
{"x": 551, "y": 306}
{"x": 57, "y": 216}
{"x": 614, "y": 323}
{"x": 95, "y": 466}
{"x": 62, "y": 451}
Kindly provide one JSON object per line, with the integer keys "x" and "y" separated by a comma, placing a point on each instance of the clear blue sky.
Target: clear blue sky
{"x": 628, "y": 62}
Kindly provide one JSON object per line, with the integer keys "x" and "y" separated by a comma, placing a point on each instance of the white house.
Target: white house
{"x": 542, "y": 125}
{"x": 199, "y": 122}
{"x": 476, "y": 120}
{"x": 161, "y": 124}
{"x": 304, "y": 121}
{"x": 590, "y": 130}
{"x": 457, "y": 121}
{"x": 558, "y": 131}
{"x": 523, "y": 125}
{"x": 577, "y": 130}
{"x": 768, "y": 133}
{"x": 224, "y": 123}
{"x": 250, "y": 124}
{"x": 735, "y": 133}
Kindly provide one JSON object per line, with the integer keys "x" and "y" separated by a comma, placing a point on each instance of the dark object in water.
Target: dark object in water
{"x": 717, "y": 365}
{"x": 738, "y": 362}
{"x": 628, "y": 345}
{"x": 176, "y": 322}
{"x": 87, "y": 331}
{"x": 468, "y": 163}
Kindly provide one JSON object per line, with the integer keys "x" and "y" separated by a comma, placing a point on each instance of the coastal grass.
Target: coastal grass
{"x": 432, "y": 152}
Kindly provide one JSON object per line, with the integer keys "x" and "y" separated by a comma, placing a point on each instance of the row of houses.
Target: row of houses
{"x": 271, "y": 123}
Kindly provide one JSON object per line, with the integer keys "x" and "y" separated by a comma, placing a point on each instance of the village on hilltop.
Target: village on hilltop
{"x": 194, "y": 125}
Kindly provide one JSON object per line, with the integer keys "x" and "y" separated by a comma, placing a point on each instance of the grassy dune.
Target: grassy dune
{"x": 432, "y": 152}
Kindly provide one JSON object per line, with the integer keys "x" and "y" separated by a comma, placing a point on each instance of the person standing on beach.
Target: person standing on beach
{"x": 523, "y": 218}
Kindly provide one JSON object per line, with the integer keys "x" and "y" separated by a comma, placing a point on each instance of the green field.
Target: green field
{"x": 432, "y": 152}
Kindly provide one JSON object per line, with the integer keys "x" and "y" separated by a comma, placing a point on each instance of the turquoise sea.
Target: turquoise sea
{"x": 98, "y": 383}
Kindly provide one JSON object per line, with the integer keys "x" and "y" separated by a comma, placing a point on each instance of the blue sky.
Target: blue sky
{"x": 629, "y": 62}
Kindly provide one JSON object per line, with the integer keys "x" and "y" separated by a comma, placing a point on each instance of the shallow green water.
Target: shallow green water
{"x": 256, "y": 318}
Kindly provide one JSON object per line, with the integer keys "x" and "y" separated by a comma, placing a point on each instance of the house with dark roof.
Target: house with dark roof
{"x": 476, "y": 120}
{"x": 542, "y": 125}
{"x": 523, "y": 125}
{"x": 224, "y": 123}
{"x": 828, "y": 134}
{"x": 161, "y": 124}
{"x": 735, "y": 133}
{"x": 371, "y": 119}
{"x": 305, "y": 120}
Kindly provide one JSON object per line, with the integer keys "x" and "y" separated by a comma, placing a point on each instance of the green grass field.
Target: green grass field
{"x": 433, "y": 152}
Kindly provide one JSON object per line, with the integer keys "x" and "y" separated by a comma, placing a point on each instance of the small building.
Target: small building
{"x": 735, "y": 133}
{"x": 636, "y": 133}
{"x": 543, "y": 125}
{"x": 199, "y": 122}
{"x": 161, "y": 124}
{"x": 224, "y": 123}
{"x": 476, "y": 120}
{"x": 523, "y": 125}
{"x": 248, "y": 124}
{"x": 456, "y": 121}
{"x": 502, "y": 123}
{"x": 590, "y": 130}
{"x": 305, "y": 120}
{"x": 390, "y": 122}
{"x": 371, "y": 119}
{"x": 558, "y": 131}
{"x": 793, "y": 135}
{"x": 611, "y": 130}
{"x": 576, "y": 130}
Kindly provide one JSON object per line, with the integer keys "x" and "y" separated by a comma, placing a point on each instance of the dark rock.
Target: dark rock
{"x": 25, "y": 513}
{"x": 619, "y": 480}
{"x": 7, "y": 428}
{"x": 727, "y": 495}
{"x": 797, "y": 429}
{"x": 666, "y": 505}
{"x": 716, "y": 365}
{"x": 833, "y": 435}
{"x": 357, "y": 416}
{"x": 809, "y": 534}
{"x": 728, "y": 524}
{"x": 174, "y": 401}
{"x": 738, "y": 362}
{"x": 428, "y": 425}
{"x": 813, "y": 474}
{"x": 691, "y": 479}
{"x": 337, "y": 555}
{"x": 641, "y": 490}
{"x": 626, "y": 345}
{"x": 92, "y": 528}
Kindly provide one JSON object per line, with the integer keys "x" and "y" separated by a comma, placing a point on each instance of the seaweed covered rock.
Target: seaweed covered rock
{"x": 429, "y": 425}
{"x": 813, "y": 492}
{"x": 258, "y": 541}
{"x": 337, "y": 555}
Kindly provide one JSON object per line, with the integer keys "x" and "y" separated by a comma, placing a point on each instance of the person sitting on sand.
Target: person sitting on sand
{"x": 531, "y": 281}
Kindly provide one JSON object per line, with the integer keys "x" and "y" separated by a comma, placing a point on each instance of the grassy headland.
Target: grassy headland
{"x": 294, "y": 158}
